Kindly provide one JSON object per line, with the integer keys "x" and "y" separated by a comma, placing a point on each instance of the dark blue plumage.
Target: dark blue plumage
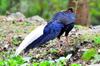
{"x": 60, "y": 23}
{"x": 51, "y": 31}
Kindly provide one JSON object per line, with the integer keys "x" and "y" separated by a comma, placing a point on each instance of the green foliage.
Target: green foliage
{"x": 13, "y": 61}
{"x": 89, "y": 54}
{"x": 44, "y": 63}
{"x": 93, "y": 37}
{"x": 87, "y": 36}
{"x": 2, "y": 36}
{"x": 75, "y": 64}
{"x": 33, "y": 9}
{"x": 79, "y": 27}
{"x": 63, "y": 61}
{"x": 16, "y": 40}
{"x": 58, "y": 62}
{"x": 44, "y": 8}
{"x": 26, "y": 24}
{"x": 35, "y": 64}
{"x": 94, "y": 11}
{"x": 52, "y": 50}
{"x": 97, "y": 40}
{"x": 53, "y": 64}
{"x": 1, "y": 63}
{"x": 4, "y": 4}
{"x": 18, "y": 59}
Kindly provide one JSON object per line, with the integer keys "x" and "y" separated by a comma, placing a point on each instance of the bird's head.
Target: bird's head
{"x": 69, "y": 10}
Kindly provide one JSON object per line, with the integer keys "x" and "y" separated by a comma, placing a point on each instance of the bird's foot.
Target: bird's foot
{"x": 61, "y": 51}
{"x": 59, "y": 44}
{"x": 60, "y": 47}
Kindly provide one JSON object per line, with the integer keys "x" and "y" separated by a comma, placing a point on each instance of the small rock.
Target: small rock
{"x": 98, "y": 50}
{"x": 18, "y": 16}
{"x": 27, "y": 59}
{"x": 37, "y": 20}
{"x": 94, "y": 65}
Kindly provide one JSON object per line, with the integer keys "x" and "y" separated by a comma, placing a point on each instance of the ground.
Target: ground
{"x": 12, "y": 34}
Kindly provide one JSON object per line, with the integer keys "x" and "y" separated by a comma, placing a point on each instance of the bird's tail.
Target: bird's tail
{"x": 30, "y": 38}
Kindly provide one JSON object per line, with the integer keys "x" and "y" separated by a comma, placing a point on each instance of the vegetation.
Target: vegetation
{"x": 87, "y": 55}
{"x": 13, "y": 61}
{"x": 74, "y": 64}
{"x": 45, "y": 8}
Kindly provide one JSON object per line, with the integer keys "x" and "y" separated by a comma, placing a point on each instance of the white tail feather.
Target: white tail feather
{"x": 30, "y": 38}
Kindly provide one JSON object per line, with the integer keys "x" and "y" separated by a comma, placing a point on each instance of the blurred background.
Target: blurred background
{"x": 46, "y": 8}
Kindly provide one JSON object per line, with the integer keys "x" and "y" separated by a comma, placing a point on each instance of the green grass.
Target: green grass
{"x": 96, "y": 40}
{"x": 75, "y": 64}
{"x": 89, "y": 54}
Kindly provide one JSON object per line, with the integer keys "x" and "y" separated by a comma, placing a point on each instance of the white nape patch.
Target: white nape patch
{"x": 30, "y": 38}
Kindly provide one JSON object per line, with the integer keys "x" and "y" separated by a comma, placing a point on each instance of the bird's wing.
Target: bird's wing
{"x": 30, "y": 38}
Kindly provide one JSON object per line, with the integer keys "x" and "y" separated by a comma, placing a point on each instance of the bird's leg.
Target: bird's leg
{"x": 59, "y": 42}
{"x": 66, "y": 41}
{"x": 60, "y": 46}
